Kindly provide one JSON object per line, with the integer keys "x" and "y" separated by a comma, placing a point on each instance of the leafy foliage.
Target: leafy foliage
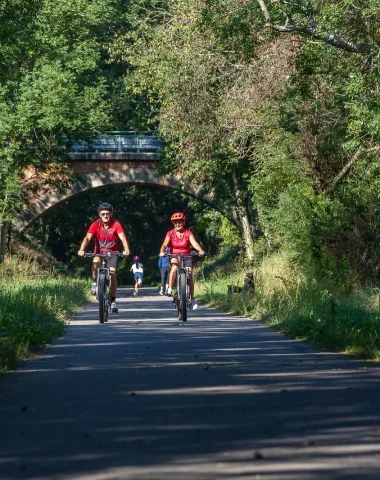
{"x": 272, "y": 105}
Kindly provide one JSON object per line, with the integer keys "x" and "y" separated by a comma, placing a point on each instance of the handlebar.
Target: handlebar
{"x": 183, "y": 255}
{"x": 103, "y": 255}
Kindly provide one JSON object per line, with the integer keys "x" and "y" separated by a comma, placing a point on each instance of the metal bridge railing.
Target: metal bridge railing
{"x": 141, "y": 142}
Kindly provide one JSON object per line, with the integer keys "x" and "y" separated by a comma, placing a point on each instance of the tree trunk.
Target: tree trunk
{"x": 247, "y": 219}
{"x": 4, "y": 229}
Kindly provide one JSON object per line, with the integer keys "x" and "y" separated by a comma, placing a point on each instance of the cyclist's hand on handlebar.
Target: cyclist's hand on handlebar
{"x": 125, "y": 253}
{"x": 201, "y": 253}
{"x": 81, "y": 253}
{"x": 162, "y": 254}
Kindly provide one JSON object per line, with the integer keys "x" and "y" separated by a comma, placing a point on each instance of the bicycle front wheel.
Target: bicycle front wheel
{"x": 103, "y": 300}
{"x": 182, "y": 296}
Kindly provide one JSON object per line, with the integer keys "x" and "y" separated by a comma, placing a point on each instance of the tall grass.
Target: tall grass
{"x": 302, "y": 306}
{"x": 35, "y": 305}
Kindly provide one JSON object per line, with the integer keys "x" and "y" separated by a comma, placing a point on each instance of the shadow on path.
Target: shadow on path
{"x": 146, "y": 397}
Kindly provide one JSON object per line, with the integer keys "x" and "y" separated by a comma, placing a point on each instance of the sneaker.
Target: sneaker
{"x": 93, "y": 288}
{"x": 165, "y": 292}
{"x": 169, "y": 292}
{"x": 194, "y": 304}
{"x": 114, "y": 308}
{"x": 161, "y": 293}
{"x": 135, "y": 294}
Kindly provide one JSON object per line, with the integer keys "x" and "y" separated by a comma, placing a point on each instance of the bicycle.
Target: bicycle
{"x": 181, "y": 299}
{"x": 103, "y": 283}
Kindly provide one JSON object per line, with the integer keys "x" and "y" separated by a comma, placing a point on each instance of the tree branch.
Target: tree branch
{"x": 309, "y": 31}
{"x": 347, "y": 167}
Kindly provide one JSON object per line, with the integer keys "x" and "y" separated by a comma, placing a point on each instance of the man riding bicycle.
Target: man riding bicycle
{"x": 106, "y": 232}
{"x": 180, "y": 240}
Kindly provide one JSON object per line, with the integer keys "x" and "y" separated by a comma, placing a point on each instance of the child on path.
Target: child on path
{"x": 138, "y": 273}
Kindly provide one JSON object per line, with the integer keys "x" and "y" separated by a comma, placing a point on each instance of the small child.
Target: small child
{"x": 138, "y": 271}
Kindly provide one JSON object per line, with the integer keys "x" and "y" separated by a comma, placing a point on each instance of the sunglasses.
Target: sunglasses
{"x": 178, "y": 223}
{"x": 105, "y": 214}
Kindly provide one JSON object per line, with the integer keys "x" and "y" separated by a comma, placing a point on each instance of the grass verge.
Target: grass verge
{"x": 34, "y": 309}
{"x": 302, "y": 307}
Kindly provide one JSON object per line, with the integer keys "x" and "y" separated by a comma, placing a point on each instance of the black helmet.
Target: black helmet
{"x": 105, "y": 206}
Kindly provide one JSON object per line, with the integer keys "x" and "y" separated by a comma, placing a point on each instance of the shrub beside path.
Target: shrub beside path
{"x": 145, "y": 397}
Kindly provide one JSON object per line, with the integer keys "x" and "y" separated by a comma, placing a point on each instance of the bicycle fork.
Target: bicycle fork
{"x": 105, "y": 271}
{"x": 188, "y": 283}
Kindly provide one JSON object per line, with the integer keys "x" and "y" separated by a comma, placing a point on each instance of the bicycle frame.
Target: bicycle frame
{"x": 181, "y": 299}
{"x": 103, "y": 269}
{"x": 103, "y": 283}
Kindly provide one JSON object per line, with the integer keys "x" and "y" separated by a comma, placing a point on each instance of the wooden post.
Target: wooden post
{"x": 229, "y": 289}
{"x": 4, "y": 229}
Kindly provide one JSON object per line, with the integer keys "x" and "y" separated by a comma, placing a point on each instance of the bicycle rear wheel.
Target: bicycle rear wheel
{"x": 182, "y": 297}
{"x": 103, "y": 300}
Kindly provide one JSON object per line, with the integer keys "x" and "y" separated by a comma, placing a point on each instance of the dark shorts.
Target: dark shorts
{"x": 188, "y": 261}
{"x": 112, "y": 262}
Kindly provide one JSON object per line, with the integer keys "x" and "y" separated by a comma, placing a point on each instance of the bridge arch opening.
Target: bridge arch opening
{"x": 95, "y": 178}
{"x": 143, "y": 209}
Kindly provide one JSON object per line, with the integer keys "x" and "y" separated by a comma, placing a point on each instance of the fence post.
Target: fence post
{"x": 4, "y": 229}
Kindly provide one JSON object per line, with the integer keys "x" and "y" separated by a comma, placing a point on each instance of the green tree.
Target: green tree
{"x": 181, "y": 65}
{"x": 56, "y": 82}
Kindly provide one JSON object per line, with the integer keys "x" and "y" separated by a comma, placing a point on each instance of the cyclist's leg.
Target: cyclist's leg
{"x": 112, "y": 265}
{"x": 113, "y": 282}
{"x": 173, "y": 274}
{"x": 95, "y": 265}
{"x": 191, "y": 282}
{"x": 189, "y": 265}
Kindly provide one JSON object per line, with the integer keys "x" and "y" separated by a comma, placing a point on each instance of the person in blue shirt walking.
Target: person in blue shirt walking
{"x": 163, "y": 265}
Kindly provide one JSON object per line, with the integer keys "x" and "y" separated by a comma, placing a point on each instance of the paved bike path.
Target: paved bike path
{"x": 145, "y": 397}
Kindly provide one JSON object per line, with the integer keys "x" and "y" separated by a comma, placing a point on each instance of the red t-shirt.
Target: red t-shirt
{"x": 106, "y": 239}
{"x": 179, "y": 245}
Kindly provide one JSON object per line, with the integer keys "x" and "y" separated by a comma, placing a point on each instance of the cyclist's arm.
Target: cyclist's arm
{"x": 124, "y": 241}
{"x": 84, "y": 244}
{"x": 164, "y": 246}
{"x": 196, "y": 245}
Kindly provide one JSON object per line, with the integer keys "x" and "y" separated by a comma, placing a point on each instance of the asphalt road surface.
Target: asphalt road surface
{"x": 145, "y": 397}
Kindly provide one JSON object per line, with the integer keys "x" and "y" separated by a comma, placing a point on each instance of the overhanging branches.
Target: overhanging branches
{"x": 309, "y": 30}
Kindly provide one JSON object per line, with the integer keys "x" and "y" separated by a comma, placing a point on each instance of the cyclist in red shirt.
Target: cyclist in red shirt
{"x": 180, "y": 240}
{"x": 106, "y": 232}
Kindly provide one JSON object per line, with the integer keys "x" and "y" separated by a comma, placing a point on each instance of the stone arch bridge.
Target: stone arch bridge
{"x": 114, "y": 159}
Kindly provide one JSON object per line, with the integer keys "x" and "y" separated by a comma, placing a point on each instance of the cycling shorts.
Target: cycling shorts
{"x": 111, "y": 262}
{"x": 187, "y": 261}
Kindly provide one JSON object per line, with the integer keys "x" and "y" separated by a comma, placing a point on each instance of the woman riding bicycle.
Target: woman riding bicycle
{"x": 180, "y": 241}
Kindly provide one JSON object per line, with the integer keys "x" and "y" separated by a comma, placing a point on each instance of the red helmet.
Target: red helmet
{"x": 178, "y": 217}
